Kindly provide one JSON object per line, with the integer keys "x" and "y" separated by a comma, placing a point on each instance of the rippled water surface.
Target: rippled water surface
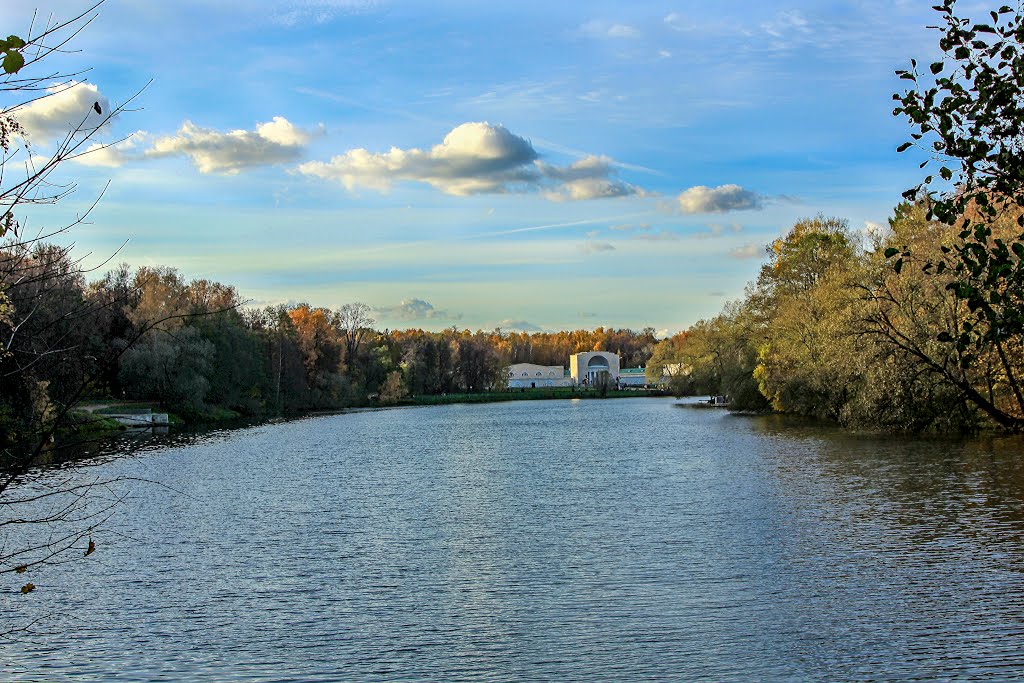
{"x": 552, "y": 540}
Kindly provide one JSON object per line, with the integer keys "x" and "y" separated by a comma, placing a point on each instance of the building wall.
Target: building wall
{"x": 638, "y": 379}
{"x": 583, "y": 371}
{"x": 529, "y": 376}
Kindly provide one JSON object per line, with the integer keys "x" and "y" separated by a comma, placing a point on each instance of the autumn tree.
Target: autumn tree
{"x": 802, "y": 299}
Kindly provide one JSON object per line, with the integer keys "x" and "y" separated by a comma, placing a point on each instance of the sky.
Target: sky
{"x": 526, "y": 165}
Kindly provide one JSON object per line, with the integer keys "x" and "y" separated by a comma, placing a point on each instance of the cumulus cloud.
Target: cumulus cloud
{"x": 520, "y": 325}
{"x": 475, "y": 158}
{"x": 721, "y": 199}
{"x": 415, "y": 309}
{"x": 591, "y": 177}
{"x": 66, "y": 107}
{"x": 746, "y": 251}
{"x": 273, "y": 142}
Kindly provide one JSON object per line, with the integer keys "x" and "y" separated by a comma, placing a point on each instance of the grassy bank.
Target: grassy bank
{"x": 92, "y": 421}
{"x": 527, "y": 395}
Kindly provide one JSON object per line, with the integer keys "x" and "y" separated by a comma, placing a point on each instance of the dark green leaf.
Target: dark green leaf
{"x": 13, "y": 61}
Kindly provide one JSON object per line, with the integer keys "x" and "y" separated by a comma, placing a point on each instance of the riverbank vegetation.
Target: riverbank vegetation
{"x": 194, "y": 348}
{"x": 830, "y": 329}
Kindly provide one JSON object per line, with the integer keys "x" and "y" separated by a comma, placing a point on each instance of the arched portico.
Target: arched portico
{"x": 597, "y": 370}
{"x": 590, "y": 368}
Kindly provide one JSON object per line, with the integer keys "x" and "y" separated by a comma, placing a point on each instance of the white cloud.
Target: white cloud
{"x": 475, "y": 158}
{"x": 604, "y": 29}
{"x": 112, "y": 155}
{"x": 66, "y": 107}
{"x": 274, "y": 142}
{"x": 721, "y": 199}
{"x": 746, "y": 251}
{"x": 593, "y": 188}
{"x": 875, "y": 230}
{"x": 415, "y": 309}
{"x": 520, "y": 325}
{"x": 588, "y": 178}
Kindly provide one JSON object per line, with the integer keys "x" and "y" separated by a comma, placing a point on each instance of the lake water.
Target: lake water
{"x": 616, "y": 540}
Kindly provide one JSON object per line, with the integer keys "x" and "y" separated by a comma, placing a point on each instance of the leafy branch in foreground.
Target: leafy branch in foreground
{"x": 968, "y": 114}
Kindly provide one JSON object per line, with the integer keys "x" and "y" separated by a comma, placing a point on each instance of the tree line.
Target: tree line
{"x": 831, "y": 329}
{"x": 194, "y": 347}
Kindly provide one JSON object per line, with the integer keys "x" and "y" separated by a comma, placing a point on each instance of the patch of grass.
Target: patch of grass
{"x": 83, "y": 423}
{"x": 526, "y": 395}
{"x": 129, "y": 409}
{"x": 216, "y": 414}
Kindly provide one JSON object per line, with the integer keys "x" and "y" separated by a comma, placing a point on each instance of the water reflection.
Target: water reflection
{"x": 585, "y": 540}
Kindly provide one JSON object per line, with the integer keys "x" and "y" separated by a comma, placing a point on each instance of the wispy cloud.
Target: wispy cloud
{"x": 307, "y": 12}
{"x": 593, "y": 247}
{"x": 606, "y": 29}
{"x": 747, "y": 251}
{"x": 660, "y": 235}
{"x": 787, "y": 23}
{"x": 718, "y": 229}
{"x": 678, "y": 22}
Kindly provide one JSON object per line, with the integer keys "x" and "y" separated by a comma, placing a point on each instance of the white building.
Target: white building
{"x": 632, "y": 377}
{"x": 530, "y": 376}
{"x": 594, "y": 367}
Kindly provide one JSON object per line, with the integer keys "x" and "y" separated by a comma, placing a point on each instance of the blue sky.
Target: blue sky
{"x": 532, "y": 165}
